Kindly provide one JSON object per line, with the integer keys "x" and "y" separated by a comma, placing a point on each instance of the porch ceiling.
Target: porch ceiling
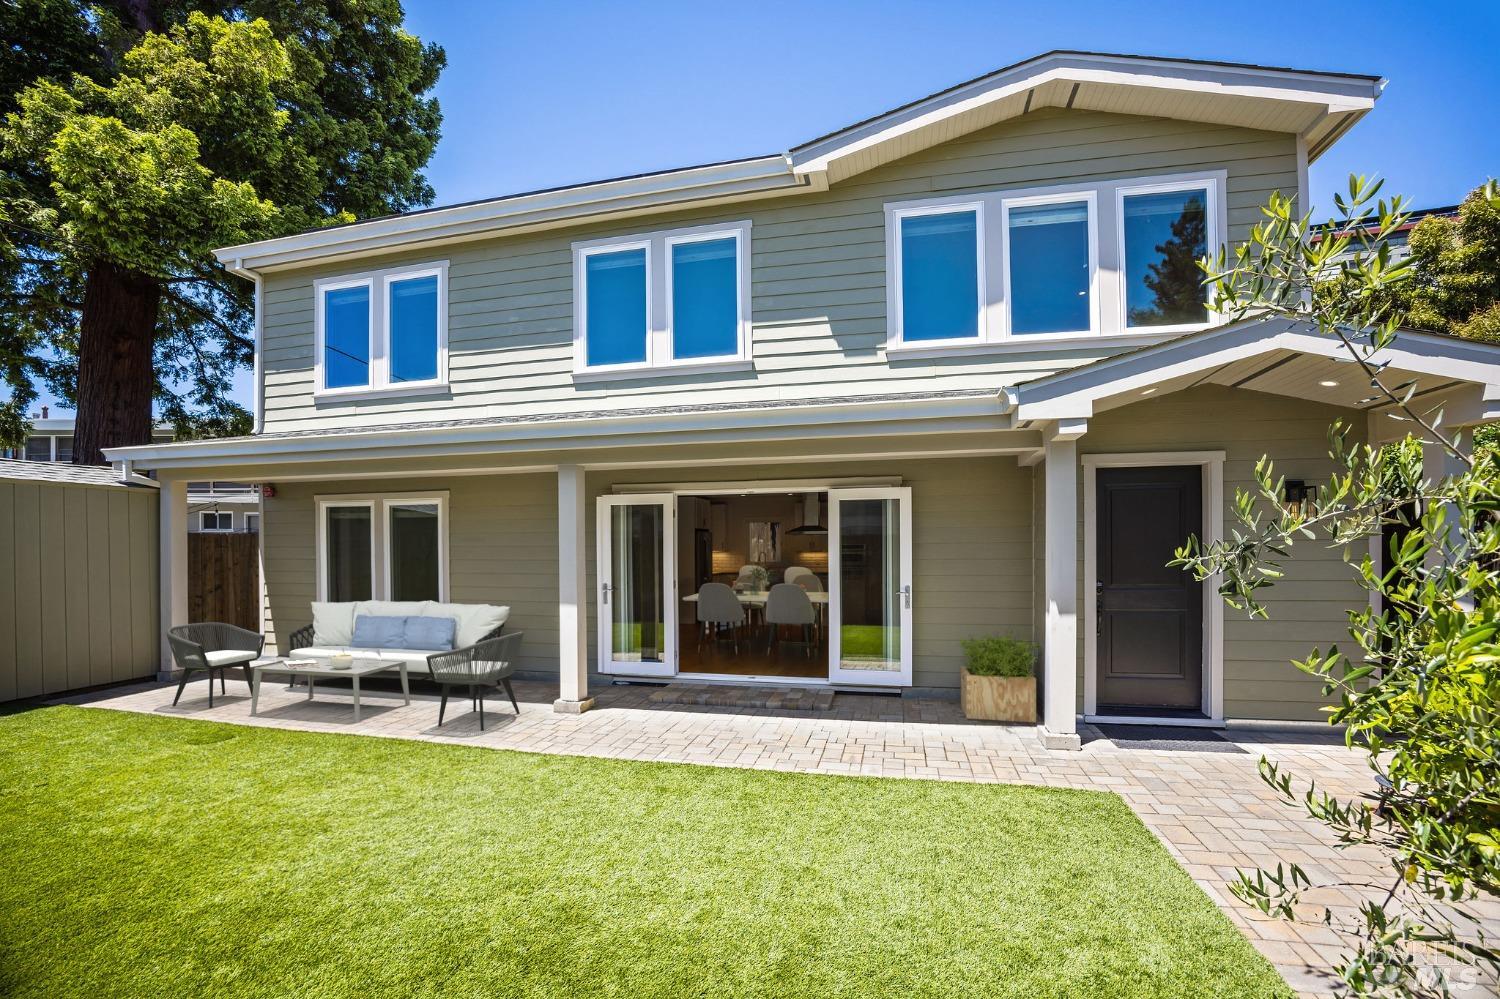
{"x": 1276, "y": 357}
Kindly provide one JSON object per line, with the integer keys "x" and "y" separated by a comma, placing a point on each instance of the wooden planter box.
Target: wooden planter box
{"x": 999, "y": 698}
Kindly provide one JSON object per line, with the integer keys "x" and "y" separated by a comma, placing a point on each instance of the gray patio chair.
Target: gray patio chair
{"x": 213, "y": 647}
{"x": 485, "y": 665}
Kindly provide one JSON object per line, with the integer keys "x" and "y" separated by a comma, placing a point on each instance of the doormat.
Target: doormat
{"x": 1182, "y": 738}
{"x": 723, "y": 696}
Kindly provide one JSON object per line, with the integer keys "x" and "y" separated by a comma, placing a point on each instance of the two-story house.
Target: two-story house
{"x": 942, "y": 369}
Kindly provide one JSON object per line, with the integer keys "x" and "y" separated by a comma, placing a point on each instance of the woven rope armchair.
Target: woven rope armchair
{"x": 485, "y": 665}
{"x": 213, "y": 647}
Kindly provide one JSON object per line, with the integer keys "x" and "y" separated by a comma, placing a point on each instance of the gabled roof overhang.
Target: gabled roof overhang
{"x": 1280, "y": 356}
{"x": 1317, "y": 107}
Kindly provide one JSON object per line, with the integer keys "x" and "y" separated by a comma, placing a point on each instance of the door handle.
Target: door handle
{"x": 1098, "y": 608}
{"x": 605, "y": 588}
{"x": 906, "y": 592}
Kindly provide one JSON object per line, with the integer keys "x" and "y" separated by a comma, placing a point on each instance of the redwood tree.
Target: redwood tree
{"x": 139, "y": 135}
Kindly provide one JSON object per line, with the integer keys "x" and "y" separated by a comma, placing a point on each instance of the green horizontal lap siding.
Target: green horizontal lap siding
{"x": 78, "y": 586}
{"x": 818, "y": 278}
{"x": 1307, "y": 607}
{"x": 971, "y": 544}
{"x": 502, "y": 549}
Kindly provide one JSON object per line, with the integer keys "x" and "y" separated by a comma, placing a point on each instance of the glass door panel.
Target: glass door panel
{"x": 870, "y": 591}
{"x": 637, "y": 616}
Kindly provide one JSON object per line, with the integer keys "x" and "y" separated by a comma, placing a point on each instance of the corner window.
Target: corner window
{"x": 39, "y": 449}
{"x": 388, "y": 547}
{"x": 64, "y": 449}
{"x": 1164, "y": 234}
{"x": 940, "y": 274}
{"x": 662, "y": 300}
{"x": 385, "y": 331}
{"x": 1050, "y": 266}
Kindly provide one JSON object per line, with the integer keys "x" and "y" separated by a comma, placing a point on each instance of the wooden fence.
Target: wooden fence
{"x": 78, "y": 581}
{"x": 224, "y": 579}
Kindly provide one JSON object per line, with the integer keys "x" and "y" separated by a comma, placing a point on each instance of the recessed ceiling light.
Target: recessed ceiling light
{"x": 1329, "y": 383}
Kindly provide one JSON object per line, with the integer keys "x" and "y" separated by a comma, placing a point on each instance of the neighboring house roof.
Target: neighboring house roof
{"x": 50, "y": 471}
{"x": 1276, "y": 355}
{"x": 1317, "y": 106}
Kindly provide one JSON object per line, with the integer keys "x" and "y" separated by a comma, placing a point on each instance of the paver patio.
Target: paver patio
{"x": 1210, "y": 808}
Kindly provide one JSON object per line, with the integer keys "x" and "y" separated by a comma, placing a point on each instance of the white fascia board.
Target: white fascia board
{"x": 980, "y": 412}
{"x": 747, "y": 178}
{"x": 1333, "y": 94}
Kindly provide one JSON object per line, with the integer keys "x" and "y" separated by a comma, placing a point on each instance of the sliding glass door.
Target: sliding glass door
{"x": 870, "y": 589}
{"x": 636, "y": 600}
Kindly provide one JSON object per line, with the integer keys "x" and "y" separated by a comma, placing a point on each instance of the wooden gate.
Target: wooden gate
{"x": 224, "y": 579}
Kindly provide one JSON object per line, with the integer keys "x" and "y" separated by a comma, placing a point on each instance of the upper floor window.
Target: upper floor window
{"x": 1164, "y": 233}
{"x": 1059, "y": 263}
{"x": 662, "y": 300}
{"x": 940, "y": 292}
{"x": 383, "y": 331}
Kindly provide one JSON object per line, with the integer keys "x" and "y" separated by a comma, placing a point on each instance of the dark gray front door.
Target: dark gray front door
{"x": 1149, "y": 615}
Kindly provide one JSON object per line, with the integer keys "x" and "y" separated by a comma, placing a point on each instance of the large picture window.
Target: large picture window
{"x": 383, "y": 547}
{"x": 382, "y": 332}
{"x": 670, "y": 299}
{"x": 1019, "y": 267}
{"x": 1165, "y": 233}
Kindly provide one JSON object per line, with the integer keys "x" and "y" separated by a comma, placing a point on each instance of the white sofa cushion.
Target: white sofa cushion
{"x": 391, "y": 608}
{"x": 474, "y": 621}
{"x": 333, "y": 624}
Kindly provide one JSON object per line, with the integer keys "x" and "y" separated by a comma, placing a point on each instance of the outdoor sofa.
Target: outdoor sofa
{"x": 337, "y": 628}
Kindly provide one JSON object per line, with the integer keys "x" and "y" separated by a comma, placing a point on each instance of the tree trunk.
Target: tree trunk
{"x": 116, "y": 371}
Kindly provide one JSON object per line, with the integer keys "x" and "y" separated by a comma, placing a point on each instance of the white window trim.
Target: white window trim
{"x": 894, "y": 215}
{"x": 379, "y": 284}
{"x": 440, "y": 500}
{"x": 379, "y": 504}
{"x": 216, "y": 514}
{"x": 659, "y": 331}
{"x": 1212, "y": 184}
{"x": 1090, "y": 200}
{"x": 1107, "y": 252}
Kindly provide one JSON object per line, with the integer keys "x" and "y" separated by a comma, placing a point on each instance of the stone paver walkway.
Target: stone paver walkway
{"x": 1210, "y": 809}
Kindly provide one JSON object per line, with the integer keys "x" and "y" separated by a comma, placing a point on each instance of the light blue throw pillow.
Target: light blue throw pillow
{"x": 432, "y": 633}
{"x": 374, "y": 632}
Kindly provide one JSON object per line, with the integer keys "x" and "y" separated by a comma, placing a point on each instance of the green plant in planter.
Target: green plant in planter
{"x": 999, "y": 656}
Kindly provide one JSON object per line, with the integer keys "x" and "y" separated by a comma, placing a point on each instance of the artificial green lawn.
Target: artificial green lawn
{"x": 150, "y": 856}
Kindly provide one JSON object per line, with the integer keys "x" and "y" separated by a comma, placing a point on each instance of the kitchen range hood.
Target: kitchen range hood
{"x": 812, "y": 516}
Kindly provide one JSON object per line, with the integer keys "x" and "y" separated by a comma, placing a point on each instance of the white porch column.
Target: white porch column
{"x": 172, "y": 572}
{"x": 1438, "y": 463}
{"x": 1060, "y": 643}
{"x": 572, "y": 593}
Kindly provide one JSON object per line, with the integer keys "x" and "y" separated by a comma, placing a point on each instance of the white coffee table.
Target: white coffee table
{"x": 324, "y": 667}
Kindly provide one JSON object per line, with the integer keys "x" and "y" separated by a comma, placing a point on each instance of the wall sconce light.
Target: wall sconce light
{"x": 1300, "y": 498}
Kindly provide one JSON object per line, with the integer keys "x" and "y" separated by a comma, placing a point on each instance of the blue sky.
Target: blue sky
{"x": 537, "y": 95}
